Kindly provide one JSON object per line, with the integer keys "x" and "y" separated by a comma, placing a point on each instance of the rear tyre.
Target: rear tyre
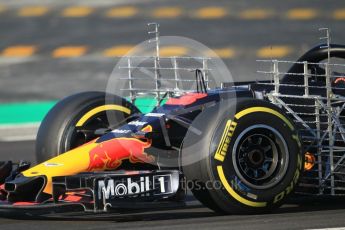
{"x": 248, "y": 158}
{"x": 78, "y": 119}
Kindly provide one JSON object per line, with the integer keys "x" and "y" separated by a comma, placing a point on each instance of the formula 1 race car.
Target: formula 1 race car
{"x": 240, "y": 148}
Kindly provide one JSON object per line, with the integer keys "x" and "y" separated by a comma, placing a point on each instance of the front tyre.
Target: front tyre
{"x": 250, "y": 157}
{"x": 79, "y": 118}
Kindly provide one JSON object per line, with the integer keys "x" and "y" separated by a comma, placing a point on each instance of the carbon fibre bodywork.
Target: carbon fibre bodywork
{"x": 144, "y": 140}
{"x": 139, "y": 162}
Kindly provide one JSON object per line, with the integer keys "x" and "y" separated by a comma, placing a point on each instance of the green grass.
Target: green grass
{"x": 17, "y": 113}
{"x": 32, "y": 112}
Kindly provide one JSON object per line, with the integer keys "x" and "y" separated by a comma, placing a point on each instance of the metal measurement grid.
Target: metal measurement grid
{"x": 320, "y": 118}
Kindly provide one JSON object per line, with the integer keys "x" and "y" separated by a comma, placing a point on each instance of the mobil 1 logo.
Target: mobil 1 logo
{"x": 114, "y": 187}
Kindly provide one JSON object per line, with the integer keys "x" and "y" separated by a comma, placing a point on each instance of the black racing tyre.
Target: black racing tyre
{"x": 245, "y": 158}
{"x": 74, "y": 120}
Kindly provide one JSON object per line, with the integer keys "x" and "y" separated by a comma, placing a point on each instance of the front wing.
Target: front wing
{"x": 98, "y": 192}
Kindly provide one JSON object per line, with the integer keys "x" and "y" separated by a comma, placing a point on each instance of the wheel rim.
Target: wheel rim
{"x": 94, "y": 127}
{"x": 77, "y": 136}
{"x": 260, "y": 156}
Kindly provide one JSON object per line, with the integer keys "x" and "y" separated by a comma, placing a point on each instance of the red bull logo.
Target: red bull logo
{"x": 110, "y": 154}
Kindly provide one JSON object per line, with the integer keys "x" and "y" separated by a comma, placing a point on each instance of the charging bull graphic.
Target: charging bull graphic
{"x": 110, "y": 154}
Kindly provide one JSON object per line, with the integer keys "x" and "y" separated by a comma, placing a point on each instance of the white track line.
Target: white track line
{"x": 18, "y": 138}
{"x": 18, "y": 132}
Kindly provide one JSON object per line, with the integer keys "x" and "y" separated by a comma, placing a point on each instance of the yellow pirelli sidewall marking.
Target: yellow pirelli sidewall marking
{"x": 234, "y": 194}
{"x": 72, "y": 162}
{"x": 225, "y": 140}
{"x": 265, "y": 110}
{"x": 295, "y": 137}
{"x": 99, "y": 109}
